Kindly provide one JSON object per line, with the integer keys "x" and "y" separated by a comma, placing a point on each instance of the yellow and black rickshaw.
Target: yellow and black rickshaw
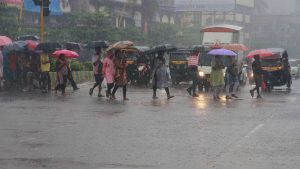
{"x": 178, "y": 65}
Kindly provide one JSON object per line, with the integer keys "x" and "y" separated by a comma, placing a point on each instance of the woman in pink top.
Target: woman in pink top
{"x": 109, "y": 72}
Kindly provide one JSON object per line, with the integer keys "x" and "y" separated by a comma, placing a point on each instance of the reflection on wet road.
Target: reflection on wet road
{"x": 78, "y": 131}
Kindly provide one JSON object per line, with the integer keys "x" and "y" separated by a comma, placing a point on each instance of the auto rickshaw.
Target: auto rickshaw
{"x": 276, "y": 70}
{"x": 178, "y": 65}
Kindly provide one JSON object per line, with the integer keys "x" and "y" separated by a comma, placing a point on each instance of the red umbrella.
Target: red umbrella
{"x": 68, "y": 54}
{"x": 263, "y": 53}
{"x": 31, "y": 44}
{"x": 15, "y": 2}
{"x": 4, "y": 40}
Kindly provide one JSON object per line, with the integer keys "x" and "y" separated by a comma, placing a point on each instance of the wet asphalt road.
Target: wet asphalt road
{"x": 77, "y": 131}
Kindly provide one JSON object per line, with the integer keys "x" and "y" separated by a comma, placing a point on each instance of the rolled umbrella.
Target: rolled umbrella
{"x": 4, "y": 40}
{"x": 67, "y": 53}
{"x": 263, "y": 53}
{"x": 236, "y": 47}
{"x": 49, "y": 47}
{"x": 222, "y": 52}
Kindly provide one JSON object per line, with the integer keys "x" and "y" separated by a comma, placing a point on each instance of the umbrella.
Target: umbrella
{"x": 100, "y": 43}
{"x": 31, "y": 44}
{"x": 49, "y": 47}
{"x": 15, "y": 2}
{"x": 236, "y": 47}
{"x": 4, "y": 40}
{"x": 28, "y": 37}
{"x": 143, "y": 49}
{"x": 73, "y": 46}
{"x": 16, "y": 46}
{"x": 120, "y": 45}
{"x": 163, "y": 48}
{"x": 261, "y": 52}
{"x": 222, "y": 52}
{"x": 68, "y": 54}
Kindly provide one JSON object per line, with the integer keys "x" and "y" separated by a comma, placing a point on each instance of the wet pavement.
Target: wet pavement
{"x": 76, "y": 131}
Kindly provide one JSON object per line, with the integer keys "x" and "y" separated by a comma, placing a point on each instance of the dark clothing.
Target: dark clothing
{"x": 45, "y": 81}
{"x": 124, "y": 90}
{"x": 256, "y": 68}
{"x": 193, "y": 72}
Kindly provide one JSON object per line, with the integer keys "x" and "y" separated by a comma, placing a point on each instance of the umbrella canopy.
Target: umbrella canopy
{"x": 73, "y": 46}
{"x": 100, "y": 43}
{"x": 4, "y": 40}
{"x": 236, "y": 47}
{"x": 143, "y": 49}
{"x": 222, "y": 52}
{"x": 49, "y": 47}
{"x": 163, "y": 48}
{"x": 28, "y": 37}
{"x": 16, "y": 46}
{"x": 68, "y": 54}
{"x": 263, "y": 53}
{"x": 120, "y": 45}
{"x": 15, "y": 2}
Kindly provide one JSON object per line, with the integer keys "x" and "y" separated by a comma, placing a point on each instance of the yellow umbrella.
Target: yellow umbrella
{"x": 120, "y": 45}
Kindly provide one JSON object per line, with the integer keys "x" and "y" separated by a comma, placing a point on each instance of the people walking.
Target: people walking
{"x": 258, "y": 76}
{"x": 120, "y": 60}
{"x": 108, "y": 72}
{"x": 160, "y": 76}
{"x": 232, "y": 79}
{"x": 71, "y": 79}
{"x": 193, "y": 61}
{"x": 45, "y": 69}
{"x": 62, "y": 73}
{"x": 217, "y": 76}
{"x": 97, "y": 69}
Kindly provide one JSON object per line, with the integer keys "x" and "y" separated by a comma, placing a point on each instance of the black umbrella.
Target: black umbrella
{"x": 100, "y": 44}
{"x": 73, "y": 46}
{"x": 28, "y": 37}
{"x": 163, "y": 48}
{"x": 49, "y": 47}
{"x": 142, "y": 49}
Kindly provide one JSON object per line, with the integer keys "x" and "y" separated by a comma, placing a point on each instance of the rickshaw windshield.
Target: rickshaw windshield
{"x": 205, "y": 59}
{"x": 179, "y": 56}
{"x": 132, "y": 55}
{"x": 271, "y": 62}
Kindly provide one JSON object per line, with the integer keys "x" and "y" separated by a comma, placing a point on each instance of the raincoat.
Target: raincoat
{"x": 160, "y": 75}
{"x": 217, "y": 75}
{"x": 108, "y": 70}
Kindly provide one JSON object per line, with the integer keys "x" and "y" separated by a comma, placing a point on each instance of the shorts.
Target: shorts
{"x": 98, "y": 79}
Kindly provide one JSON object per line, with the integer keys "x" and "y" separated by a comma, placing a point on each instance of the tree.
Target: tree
{"x": 149, "y": 7}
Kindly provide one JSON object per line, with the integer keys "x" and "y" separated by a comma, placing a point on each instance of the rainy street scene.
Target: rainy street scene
{"x": 149, "y": 84}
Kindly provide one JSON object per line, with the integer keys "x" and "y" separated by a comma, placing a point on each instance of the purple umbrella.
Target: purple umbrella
{"x": 222, "y": 52}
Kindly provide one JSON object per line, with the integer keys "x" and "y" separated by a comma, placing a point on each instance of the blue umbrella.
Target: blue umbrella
{"x": 15, "y": 46}
{"x": 222, "y": 52}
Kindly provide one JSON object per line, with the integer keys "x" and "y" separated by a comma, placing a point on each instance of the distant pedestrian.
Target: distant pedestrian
{"x": 108, "y": 72}
{"x": 193, "y": 61}
{"x": 232, "y": 79}
{"x": 97, "y": 69}
{"x": 45, "y": 69}
{"x": 71, "y": 79}
{"x": 258, "y": 76}
{"x": 160, "y": 75}
{"x": 120, "y": 60}
{"x": 217, "y": 76}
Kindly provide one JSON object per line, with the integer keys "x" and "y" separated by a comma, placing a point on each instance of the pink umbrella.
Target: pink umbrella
{"x": 67, "y": 53}
{"x": 263, "y": 53}
{"x": 4, "y": 40}
{"x": 15, "y": 2}
{"x": 31, "y": 44}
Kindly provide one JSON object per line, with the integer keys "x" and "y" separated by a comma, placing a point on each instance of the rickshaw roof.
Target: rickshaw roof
{"x": 222, "y": 28}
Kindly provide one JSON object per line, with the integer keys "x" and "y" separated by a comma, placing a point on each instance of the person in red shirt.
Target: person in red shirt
{"x": 193, "y": 71}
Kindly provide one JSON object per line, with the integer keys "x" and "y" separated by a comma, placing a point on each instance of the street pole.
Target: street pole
{"x": 42, "y": 21}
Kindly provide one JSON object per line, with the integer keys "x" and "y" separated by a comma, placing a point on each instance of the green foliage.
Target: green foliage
{"x": 88, "y": 66}
{"x": 10, "y": 20}
{"x": 76, "y": 65}
{"x": 53, "y": 65}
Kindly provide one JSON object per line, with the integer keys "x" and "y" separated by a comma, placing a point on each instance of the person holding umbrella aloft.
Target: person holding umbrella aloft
{"x": 217, "y": 76}
{"x": 108, "y": 72}
{"x": 193, "y": 61}
{"x": 97, "y": 69}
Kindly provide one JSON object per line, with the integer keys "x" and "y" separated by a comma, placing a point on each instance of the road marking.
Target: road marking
{"x": 254, "y": 130}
